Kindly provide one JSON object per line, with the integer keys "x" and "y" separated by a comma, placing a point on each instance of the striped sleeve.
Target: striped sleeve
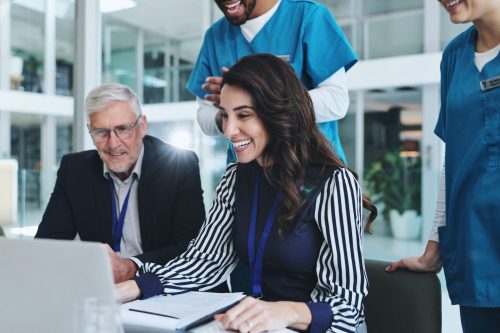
{"x": 210, "y": 257}
{"x": 342, "y": 281}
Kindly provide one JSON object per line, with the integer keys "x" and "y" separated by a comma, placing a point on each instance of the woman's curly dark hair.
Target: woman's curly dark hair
{"x": 295, "y": 142}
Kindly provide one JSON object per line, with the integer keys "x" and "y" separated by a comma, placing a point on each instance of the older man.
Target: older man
{"x": 136, "y": 193}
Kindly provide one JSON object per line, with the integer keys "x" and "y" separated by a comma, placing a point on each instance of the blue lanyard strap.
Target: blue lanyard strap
{"x": 118, "y": 222}
{"x": 256, "y": 259}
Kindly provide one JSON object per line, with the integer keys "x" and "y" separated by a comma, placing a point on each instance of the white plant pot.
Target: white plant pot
{"x": 16, "y": 66}
{"x": 406, "y": 225}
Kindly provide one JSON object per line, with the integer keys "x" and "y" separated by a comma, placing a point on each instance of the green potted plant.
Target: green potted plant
{"x": 395, "y": 182}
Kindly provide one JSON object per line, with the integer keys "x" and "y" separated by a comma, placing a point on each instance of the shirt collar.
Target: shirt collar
{"x": 136, "y": 171}
{"x": 252, "y": 27}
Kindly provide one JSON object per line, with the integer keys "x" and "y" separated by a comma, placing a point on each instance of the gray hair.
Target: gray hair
{"x": 102, "y": 96}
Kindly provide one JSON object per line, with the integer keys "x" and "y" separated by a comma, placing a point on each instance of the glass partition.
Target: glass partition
{"x": 33, "y": 176}
{"x": 65, "y": 46}
{"x": 371, "y": 7}
{"x": 64, "y": 135}
{"x": 340, "y": 9}
{"x": 392, "y": 159}
{"x": 347, "y": 134}
{"x": 156, "y": 82}
{"x": 393, "y": 35}
{"x": 26, "y": 149}
{"x": 119, "y": 52}
{"x": 27, "y": 43}
{"x": 168, "y": 33}
{"x": 188, "y": 50}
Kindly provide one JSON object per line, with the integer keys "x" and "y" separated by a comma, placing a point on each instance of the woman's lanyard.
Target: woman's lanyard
{"x": 118, "y": 221}
{"x": 256, "y": 258}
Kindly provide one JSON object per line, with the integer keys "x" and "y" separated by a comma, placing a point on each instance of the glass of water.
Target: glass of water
{"x": 96, "y": 315}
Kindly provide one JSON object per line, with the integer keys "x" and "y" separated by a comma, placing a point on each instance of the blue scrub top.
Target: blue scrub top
{"x": 469, "y": 123}
{"x": 302, "y": 31}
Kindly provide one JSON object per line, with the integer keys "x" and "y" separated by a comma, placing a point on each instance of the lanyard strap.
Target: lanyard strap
{"x": 256, "y": 259}
{"x": 118, "y": 221}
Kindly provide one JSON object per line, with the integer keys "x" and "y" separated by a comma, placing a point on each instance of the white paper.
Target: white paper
{"x": 139, "y": 322}
{"x": 187, "y": 308}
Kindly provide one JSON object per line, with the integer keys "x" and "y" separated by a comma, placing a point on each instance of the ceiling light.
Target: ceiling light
{"x": 108, "y": 6}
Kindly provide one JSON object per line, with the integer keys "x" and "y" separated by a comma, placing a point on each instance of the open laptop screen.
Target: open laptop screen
{"x": 42, "y": 280}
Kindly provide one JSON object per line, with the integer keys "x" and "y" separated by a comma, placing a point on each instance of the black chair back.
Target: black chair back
{"x": 402, "y": 301}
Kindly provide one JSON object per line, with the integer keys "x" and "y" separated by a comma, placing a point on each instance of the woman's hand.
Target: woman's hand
{"x": 430, "y": 261}
{"x": 127, "y": 291}
{"x": 253, "y": 315}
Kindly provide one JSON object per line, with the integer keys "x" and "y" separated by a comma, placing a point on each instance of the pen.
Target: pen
{"x": 154, "y": 313}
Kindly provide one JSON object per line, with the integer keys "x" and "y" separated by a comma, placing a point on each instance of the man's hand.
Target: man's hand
{"x": 213, "y": 84}
{"x": 123, "y": 269}
{"x": 430, "y": 261}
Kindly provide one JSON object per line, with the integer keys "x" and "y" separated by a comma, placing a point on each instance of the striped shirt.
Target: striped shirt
{"x": 341, "y": 278}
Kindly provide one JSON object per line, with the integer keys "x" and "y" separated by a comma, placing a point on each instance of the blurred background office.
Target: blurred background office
{"x": 52, "y": 52}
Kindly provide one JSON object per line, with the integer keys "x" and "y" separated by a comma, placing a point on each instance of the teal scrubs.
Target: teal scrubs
{"x": 302, "y": 32}
{"x": 469, "y": 124}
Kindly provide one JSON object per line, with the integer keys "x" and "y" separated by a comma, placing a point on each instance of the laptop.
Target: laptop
{"x": 42, "y": 280}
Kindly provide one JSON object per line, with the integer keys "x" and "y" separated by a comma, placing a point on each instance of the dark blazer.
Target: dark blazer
{"x": 170, "y": 201}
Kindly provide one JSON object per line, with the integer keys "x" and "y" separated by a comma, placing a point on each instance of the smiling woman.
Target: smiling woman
{"x": 288, "y": 192}
{"x": 242, "y": 125}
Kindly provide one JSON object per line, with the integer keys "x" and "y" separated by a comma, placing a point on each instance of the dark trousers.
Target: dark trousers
{"x": 480, "y": 320}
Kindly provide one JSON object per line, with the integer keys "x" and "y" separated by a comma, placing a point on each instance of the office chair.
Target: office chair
{"x": 402, "y": 301}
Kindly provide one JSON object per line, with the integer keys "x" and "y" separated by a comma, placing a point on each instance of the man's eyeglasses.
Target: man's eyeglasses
{"x": 123, "y": 132}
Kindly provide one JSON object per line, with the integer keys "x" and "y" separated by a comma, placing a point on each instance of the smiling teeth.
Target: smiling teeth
{"x": 241, "y": 143}
{"x": 453, "y": 3}
{"x": 233, "y": 5}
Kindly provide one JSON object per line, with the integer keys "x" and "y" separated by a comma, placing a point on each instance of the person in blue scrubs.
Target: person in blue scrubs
{"x": 302, "y": 32}
{"x": 466, "y": 235}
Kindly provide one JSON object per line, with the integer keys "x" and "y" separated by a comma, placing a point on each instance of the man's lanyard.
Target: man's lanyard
{"x": 118, "y": 221}
{"x": 256, "y": 259}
